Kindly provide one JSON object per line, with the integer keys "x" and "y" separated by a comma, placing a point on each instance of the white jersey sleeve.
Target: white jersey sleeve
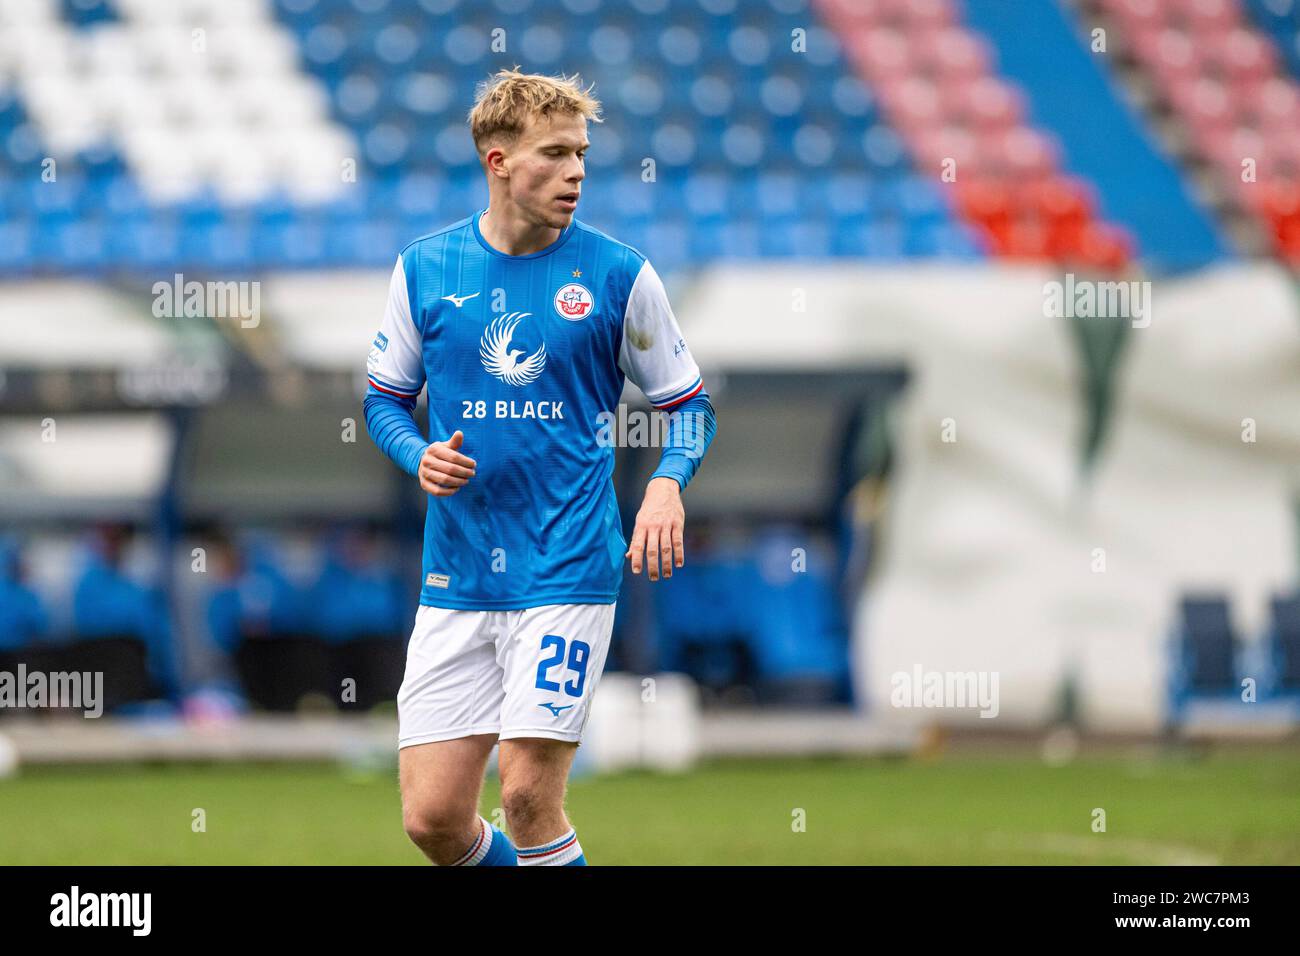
{"x": 396, "y": 361}
{"x": 654, "y": 354}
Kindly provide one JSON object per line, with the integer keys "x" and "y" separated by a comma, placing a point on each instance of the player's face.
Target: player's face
{"x": 547, "y": 168}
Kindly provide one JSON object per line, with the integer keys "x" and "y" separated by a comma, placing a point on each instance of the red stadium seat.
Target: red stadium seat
{"x": 1027, "y": 152}
{"x": 1027, "y": 238}
{"x": 1136, "y": 13}
{"x": 938, "y": 144}
{"x": 987, "y": 102}
{"x": 1276, "y": 100}
{"x": 854, "y": 14}
{"x": 1239, "y": 54}
{"x": 1206, "y": 99}
{"x": 913, "y": 102}
{"x": 1105, "y": 247}
{"x": 1208, "y": 16}
{"x": 954, "y": 53}
{"x": 883, "y": 53}
{"x": 990, "y": 203}
{"x": 926, "y": 13}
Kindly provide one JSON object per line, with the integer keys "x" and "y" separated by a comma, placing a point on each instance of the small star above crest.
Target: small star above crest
{"x": 577, "y": 273}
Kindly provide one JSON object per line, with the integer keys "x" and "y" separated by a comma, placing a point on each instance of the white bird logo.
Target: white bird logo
{"x": 504, "y": 362}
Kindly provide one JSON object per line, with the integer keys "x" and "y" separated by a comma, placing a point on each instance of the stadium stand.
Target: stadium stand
{"x": 1134, "y": 183}
{"x": 938, "y": 83}
{"x": 1237, "y": 108}
{"x": 208, "y": 159}
{"x": 138, "y": 141}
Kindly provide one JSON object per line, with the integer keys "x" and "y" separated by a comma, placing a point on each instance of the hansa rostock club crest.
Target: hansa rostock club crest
{"x": 573, "y": 302}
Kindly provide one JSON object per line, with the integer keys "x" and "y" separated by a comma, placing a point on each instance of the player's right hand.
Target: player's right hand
{"x": 443, "y": 469}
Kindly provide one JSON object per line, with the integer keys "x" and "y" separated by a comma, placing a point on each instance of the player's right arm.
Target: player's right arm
{"x": 395, "y": 373}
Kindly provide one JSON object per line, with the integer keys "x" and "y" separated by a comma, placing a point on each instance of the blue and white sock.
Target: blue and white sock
{"x": 490, "y": 848}
{"x": 563, "y": 851}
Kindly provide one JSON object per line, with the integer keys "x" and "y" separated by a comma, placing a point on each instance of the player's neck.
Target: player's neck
{"x": 514, "y": 235}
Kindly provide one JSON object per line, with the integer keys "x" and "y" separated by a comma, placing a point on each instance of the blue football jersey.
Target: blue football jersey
{"x": 523, "y": 354}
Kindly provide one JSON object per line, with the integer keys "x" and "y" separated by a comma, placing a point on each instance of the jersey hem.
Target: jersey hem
{"x": 516, "y": 604}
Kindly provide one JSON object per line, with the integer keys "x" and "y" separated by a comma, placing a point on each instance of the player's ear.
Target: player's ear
{"x": 494, "y": 161}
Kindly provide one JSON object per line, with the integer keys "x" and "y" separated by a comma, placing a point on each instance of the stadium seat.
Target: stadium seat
{"x": 1284, "y": 638}
{"x": 1207, "y": 640}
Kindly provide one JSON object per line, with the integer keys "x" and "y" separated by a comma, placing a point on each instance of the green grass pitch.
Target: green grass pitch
{"x": 1235, "y": 808}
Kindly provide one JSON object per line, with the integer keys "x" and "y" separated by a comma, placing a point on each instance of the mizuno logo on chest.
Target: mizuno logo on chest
{"x": 459, "y": 300}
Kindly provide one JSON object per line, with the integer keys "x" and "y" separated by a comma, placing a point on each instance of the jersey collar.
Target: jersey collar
{"x": 565, "y": 233}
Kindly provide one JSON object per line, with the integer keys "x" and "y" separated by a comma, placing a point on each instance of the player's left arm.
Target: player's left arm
{"x": 395, "y": 377}
{"x": 655, "y": 357}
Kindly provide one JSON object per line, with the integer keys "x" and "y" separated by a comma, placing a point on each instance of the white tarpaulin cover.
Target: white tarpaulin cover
{"x": 993, "y": 546}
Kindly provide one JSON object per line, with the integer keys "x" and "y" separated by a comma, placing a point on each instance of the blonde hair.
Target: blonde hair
{"x": 509, "y": 99}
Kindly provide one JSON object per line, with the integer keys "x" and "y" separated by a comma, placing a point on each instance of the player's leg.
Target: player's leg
{"x": 449, "y": 712}
{"x": 553, "y": 658}
{"x": 441, "y": 783}
{"x": 534, "y": 774}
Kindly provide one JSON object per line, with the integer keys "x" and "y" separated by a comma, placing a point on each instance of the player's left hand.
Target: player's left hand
{"x": 658, "y": 531}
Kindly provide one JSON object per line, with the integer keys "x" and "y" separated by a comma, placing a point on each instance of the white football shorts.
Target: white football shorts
{"x": 526, "y": 673}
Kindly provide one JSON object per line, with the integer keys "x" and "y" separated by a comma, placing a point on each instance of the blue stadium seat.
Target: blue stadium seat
{"x": 1284, "y": 643}
{"x": 735, "y": 610}
{"x": 1208, "y": 643}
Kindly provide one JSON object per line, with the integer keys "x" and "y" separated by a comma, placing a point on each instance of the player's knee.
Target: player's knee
{"x": 524, "y": 805}
{"x": 432, "y": 827}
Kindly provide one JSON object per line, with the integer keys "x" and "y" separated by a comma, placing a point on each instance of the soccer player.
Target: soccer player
{"x": 522, "y": 323}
